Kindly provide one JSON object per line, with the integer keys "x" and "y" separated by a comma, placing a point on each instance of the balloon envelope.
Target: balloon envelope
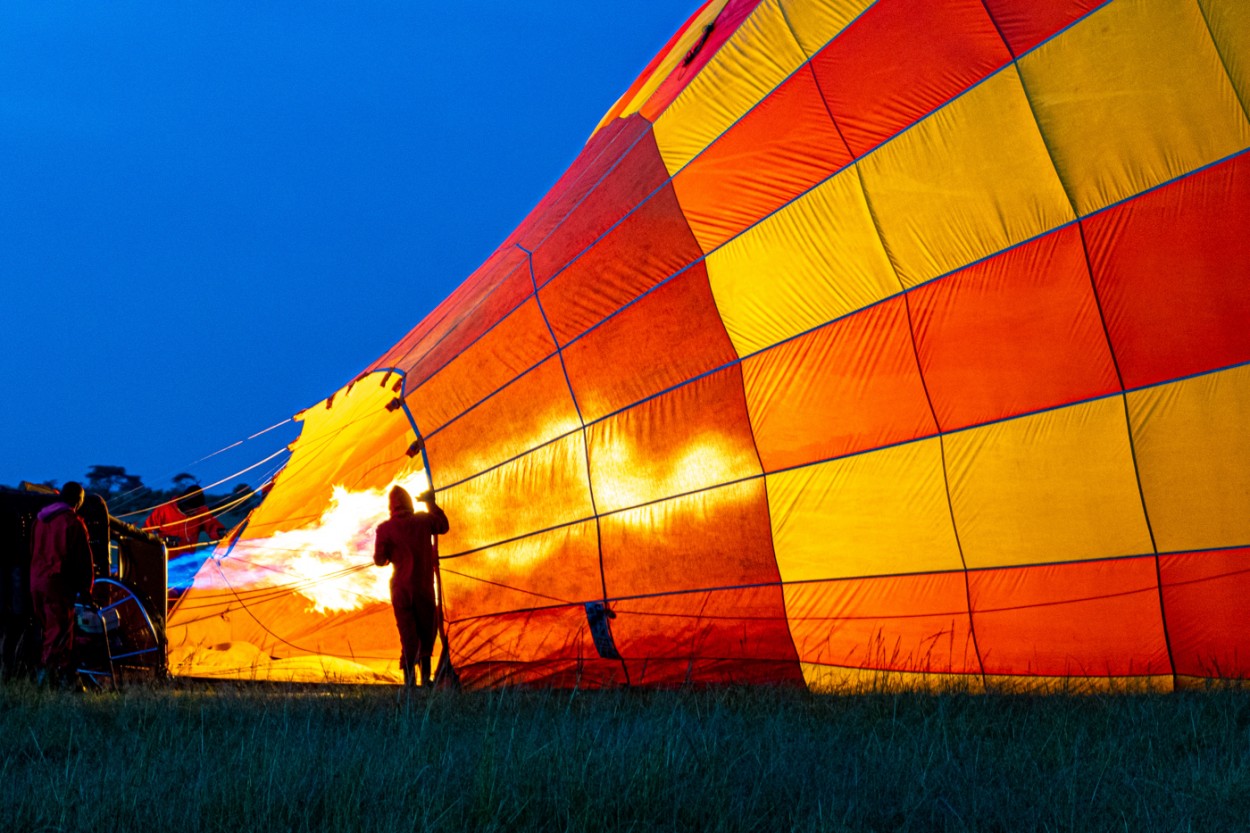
{"x": 904, "y": 338}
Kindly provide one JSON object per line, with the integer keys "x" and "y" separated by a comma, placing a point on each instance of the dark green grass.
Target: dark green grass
{"x": 268, "y": 759}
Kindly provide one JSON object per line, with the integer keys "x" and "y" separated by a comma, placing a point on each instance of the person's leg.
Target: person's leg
{"x": 58, "y": 637}
{"x": 425, "y": 632}
{"x": 406, "y": 622}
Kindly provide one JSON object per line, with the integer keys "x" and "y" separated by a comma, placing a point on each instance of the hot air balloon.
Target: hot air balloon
{"x": 905, "y": 338}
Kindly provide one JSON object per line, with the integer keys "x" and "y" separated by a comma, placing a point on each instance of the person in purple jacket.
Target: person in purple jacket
{"x": 407, "y": 541}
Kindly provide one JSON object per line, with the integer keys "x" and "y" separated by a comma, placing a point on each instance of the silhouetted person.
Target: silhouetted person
{"x": 60, "y": 571}
{"x": 407, "y": 541}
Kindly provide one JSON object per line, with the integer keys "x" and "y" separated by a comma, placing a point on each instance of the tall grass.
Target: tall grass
{"x": 260, "y": 758}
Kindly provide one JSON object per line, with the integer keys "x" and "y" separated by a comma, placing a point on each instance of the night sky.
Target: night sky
{"x": 212, "y": 215}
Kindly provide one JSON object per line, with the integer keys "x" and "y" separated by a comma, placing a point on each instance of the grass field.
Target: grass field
{"x": 193, "y": 758}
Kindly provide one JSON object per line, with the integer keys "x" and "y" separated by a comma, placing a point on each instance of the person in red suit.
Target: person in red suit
{"x": 407, "y": 541}
{"x": 181, "y": 521}
{"x": 61, "y": 569}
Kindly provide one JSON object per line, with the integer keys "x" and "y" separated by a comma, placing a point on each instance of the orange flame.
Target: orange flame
{"x": 329, "y": 562}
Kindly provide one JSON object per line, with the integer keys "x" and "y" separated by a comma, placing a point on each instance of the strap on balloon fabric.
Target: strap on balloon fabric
{"x": 698, "y": 47}
{"x": 597, "y": 616}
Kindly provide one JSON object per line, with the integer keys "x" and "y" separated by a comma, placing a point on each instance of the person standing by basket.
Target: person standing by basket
{"x": 61, "y": 569}
{"x": 407, "y": 541}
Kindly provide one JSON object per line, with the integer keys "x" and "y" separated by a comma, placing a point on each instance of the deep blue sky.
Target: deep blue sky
{"x": 213, "y": 214}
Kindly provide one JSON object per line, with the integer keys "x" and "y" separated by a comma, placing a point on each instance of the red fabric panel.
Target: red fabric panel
{"x": 727, "y": 22}
{"x": 784, "y": 146}
{"x": 648, "y": 246}
{"x": 496, "y": 288}
{"x": 602, "y": 152}
{"x": 515, "y": 345}
{"x": 551, "y": 648}
{"x": 916, "y": 623}
{"x": 1026, "y": 23}
{"x": 1173, "y": 273}
{"x": 638, "y": 175}
{"x": 727, "y": 636}
{"x": 1205, "y": 599}
{"x": 847, "y": 387}
{"x": 1013, "y": 334}
{"x": 902, "y": 59}
{"x": 691, "y": 438}
{"x": 1080, "y": 619}
{"x": 668, "y": 337}
{"x": 528, "y": 412}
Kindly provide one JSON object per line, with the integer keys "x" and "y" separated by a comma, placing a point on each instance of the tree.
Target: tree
{"x": 109, "y": 480}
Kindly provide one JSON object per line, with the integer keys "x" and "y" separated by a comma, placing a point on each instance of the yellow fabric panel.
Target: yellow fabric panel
{"x": 1229, "y": 21}
{"x": 815, "y": 260}
{"x": 1054, "y": 486}
{"x": 694, "y": 32}
{"x": 968, "y": 181}
{"x": 1193, "y": 452}
{"x": 355, "y": 443}
{"x": 817, "y": 23}
{"x": 833, "y": 679}
{"x": 759, "y": 56}
{"x": 1040, "y": 684}
{"x": 1132, "y": 96}
{"x": 870, "y": 514}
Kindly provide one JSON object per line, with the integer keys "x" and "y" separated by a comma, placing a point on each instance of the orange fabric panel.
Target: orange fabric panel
{"x": 518, "y": 343}
{"x": 543, "y": 489}
{"x": 913, "y": 623}
{"x": 779, "y": 149}
{"x": 902, "y": 59}
{"x": 229, "y": 628}
{"x": 541, "y": 647}
{"x": 553, "y": 568}
{"x": 490, "y": 293}
{"x": 1026, "y": 23}
{"x": 691, "y": 438}
{"x": 633, "y": 179}
{"x": 530, "y": 411}
{"x": 716, "y": 538}
{"x": 734, "y": 636}
{"x": 671, "y": 335}
{"x": 1204, "y": 598}
{"x": 649, "y": 245}
{"x": 1088, "y": 619}
{"x": 846, "y": 387}
{"x": 1016, "y": 333}
{"x": 1173, "y": 274}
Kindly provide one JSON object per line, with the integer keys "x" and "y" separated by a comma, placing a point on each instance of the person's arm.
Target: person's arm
{"x": 438, "y": 519}
{"x": 381, "y": 549}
